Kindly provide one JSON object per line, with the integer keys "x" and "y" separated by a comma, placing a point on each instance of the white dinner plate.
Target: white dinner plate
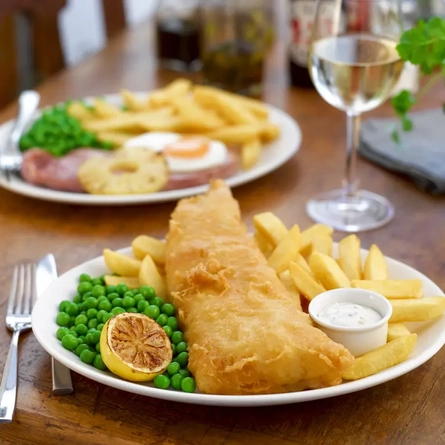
{"x": 431, "y": 337}
{"x": 273, "y": 156}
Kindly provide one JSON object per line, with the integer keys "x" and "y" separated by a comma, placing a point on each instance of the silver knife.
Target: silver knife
{"x": 46, "y": 273}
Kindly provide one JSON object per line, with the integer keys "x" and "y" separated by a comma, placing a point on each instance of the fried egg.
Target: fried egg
{"x": 183, "y": 153}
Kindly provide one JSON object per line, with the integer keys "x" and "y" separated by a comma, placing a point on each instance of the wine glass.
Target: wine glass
{"x": 354, "y": 65}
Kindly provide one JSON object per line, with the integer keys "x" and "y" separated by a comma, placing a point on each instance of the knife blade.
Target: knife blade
{"x": 46, "y": 273}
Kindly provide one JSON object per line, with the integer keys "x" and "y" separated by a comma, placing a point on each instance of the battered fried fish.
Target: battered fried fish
{"x": 246, "y": 333}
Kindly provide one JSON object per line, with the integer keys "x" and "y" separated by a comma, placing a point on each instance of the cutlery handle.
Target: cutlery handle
{"x": 28, "y": 105}
{"x": 62, "y": 383}
{"x": 8, "y": 387}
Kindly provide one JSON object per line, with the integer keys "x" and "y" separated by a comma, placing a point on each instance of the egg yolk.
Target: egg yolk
{"x": 188, "y": 147}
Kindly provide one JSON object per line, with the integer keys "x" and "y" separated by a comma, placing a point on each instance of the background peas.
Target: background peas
{"x": 147, "y": 291}
{"x": 117, "y": 310}
{"x": 117, "y": 302}
{"x": 98, "y": 290}
{"x": 152, "y": 311}
{"x": 98, "y": 363}
{"x": 173, "y": 323}
{"x": 121, "y": 289}
{"x": 176, "y": 380}
{"x": 100, "y": 315}
{"x": 92, "y": 323}
{"x": 181, "y": 347}
{"x": 142, "y": 305}
{"x": 188, "y": 384}
{"x": 97, "y": 281}
{"x": 158, "y": 301}
{"x": 63, "y": 319}
{"x": 161, "y": 381}
{"x": 177, "y": 337}
{"x": 128, "y": 302}
{"x": 91, "y": 302}
{"x": 168, "y": 330}
{"x": 61, "y": 332}
{"x": 104, "y": 306}
{"x": 70, "y": 342}
{"x": 168, "y": 309}
{"x": 81, "y": 329}
{"x": 183, "y": 359}
{"x": 72, "y": 309}
{"x": 173, "y": 368}
{"x": 83, "y": 287}
{"x": 84, "y": 277}
{"x": 87, "y": 356}
{"x": 110, "y": 289}
{"x": 162, "y": 320}
{"x": 91, "y": 313}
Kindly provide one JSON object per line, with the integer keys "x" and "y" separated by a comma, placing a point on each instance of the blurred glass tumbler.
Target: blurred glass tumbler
{"x": 235, "y": 38}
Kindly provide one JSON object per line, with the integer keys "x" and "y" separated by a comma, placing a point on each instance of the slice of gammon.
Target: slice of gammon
{"x": 42, "y": 169}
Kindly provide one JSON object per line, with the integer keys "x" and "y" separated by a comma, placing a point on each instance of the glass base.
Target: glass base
{"x": 364, "y": 211}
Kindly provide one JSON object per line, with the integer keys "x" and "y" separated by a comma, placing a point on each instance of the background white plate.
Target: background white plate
{"x": 274, "y": 155}
{"x": 431, "y": 337}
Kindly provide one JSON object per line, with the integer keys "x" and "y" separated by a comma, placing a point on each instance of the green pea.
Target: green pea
{"x": 86, "y": 295}
{"x": 173, "y": 350}
{"x": 81, "y": 319}
{"x": 132, "y": 310}
{"x": 73, "y": 330}
{"x": 177, "y": 337}
{"x": 77, "y": 299}
{"x": 87, "y": 356}
{"x": 161, "y": 381}
{"x": 97, "y": 347}
{"x": 188, "y": 384}
{"x": 96, "y": 282}
{"x": 173, "y": 323}
{"x": 183, "y": 359}
{"x": 70, "y": 342}
{"x": 181, "y": 347}
{"x": 110, "y": 289}
{"x": 107, "y": 317}
{"x": 142, "y": 305}
{"x": 99, "y": 363}
{"x": 61, "y": 332}
{"x": 91, "y": 302}
{"x": 72, "y": 320}
{"x": 102, "y": 298}
{"x": 100, "y": 315}
{"x": 112, "y": 296}
{"x": 176, "y": 381}
{"x": 63, "y": 305}
{"x": 152, "y": 311}
{"x": 128, "y": 302}
{"x": 121, "y": 288}
{"x": 81, "y": 348}
{"x": 173, "y": 368}
{"x": 168, "y": 309}
{"x": 83, "y": 308}
{"x": 63, "y": 319}
{"x": 147, "y": 292}
{"x": 84, "y": 277}
{"x": 100, "y": 326}
{"x": 81, "y": 329}
{"x": 117, "y": 302}
{"x": 92, "y": 313}
{"x": 81, "y": 339}
{"x": 129, "y": 293}
{"x": 135, "y": 292}
{"x": 83, "y": 287}
{"x": 98, "y": 290}
{"x": 168, "y": 330}
{"x": 162, "y": 320}
{"x": 104, "y": 306}
{"x": 72, "y": 309}
{"x": 93, "y": 323}
{"x": 138, "y": 297}
{"x": 184, "y": 373}
{"x": 117, "y": 310}
{"x": 158, "y": 301}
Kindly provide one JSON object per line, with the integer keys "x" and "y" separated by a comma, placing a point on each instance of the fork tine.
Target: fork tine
{"x": 13, "y": 291}
{"x": 20, "y": 289}
{"x": 28, "y": 294}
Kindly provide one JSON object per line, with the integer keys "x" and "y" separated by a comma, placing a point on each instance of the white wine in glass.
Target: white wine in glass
{"x": 354, "y": 65}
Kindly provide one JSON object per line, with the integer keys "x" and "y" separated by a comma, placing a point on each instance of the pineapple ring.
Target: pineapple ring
{"x": 127, "y": 172}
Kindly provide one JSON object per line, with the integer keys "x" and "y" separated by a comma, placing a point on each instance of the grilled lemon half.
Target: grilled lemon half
{"x": 135, "y": 347}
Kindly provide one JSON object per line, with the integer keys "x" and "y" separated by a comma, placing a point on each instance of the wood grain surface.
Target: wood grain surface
{"x": 407, "y": 411}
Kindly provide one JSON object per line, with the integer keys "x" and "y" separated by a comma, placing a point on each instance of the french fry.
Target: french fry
{"x": 303, "y": 263}
{"x": 270, "y": 227}
{"x": 103, "y": 109}
{"x": 375, "y": 267}
{"x": 263, "y": 244}
{"x": 125, "y": 122}
{"x": 391, "y": 354}
{"x": 396, "y": 330}
{"x": 144, "y": 245}
{"x": 163, "y": 96}
{"x": 150, "y": 276}
{"x": 286, "y": 250}
{"x": 231, "y": 110}
{"x": 117, "y": 138}
{"x": 323, "y": 244}
{"x": 268, "y": 132}
{"x": 289, "y": 284}
{"x": 392, "y": 288}
{"x": 308, "y": 235}
{"x": 236, "y": 134}
{"x": 163, "y": 123}
{"x": 423, "y": 309}
{"x": 121, "y": 264}
{"x": 349, "y": 257}
{"x": 327, "y": 271}
{"x": 305, "y": 282}
{"x": 79, "y": 111}
{"x": 250, "y": 153}
{"x": 132, "y": 102}
{"x": 131, "y": 282}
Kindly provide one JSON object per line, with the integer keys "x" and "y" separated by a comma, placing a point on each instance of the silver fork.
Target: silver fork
{"x": 18, "y": 319}
{"x": 11, "y": 157}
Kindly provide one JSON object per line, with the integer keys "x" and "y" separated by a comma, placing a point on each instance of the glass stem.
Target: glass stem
{"x": 350, "y": 182}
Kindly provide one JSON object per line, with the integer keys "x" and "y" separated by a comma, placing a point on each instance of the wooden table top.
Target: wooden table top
{"x": 408, "y": 410}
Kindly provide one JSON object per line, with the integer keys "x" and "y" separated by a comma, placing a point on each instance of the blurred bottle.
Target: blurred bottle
{"x": 178, "y": 30}
{"x": 235, "y": 44}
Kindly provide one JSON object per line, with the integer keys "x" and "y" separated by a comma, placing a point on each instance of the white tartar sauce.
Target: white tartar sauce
{"x": 350, "y": 315}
